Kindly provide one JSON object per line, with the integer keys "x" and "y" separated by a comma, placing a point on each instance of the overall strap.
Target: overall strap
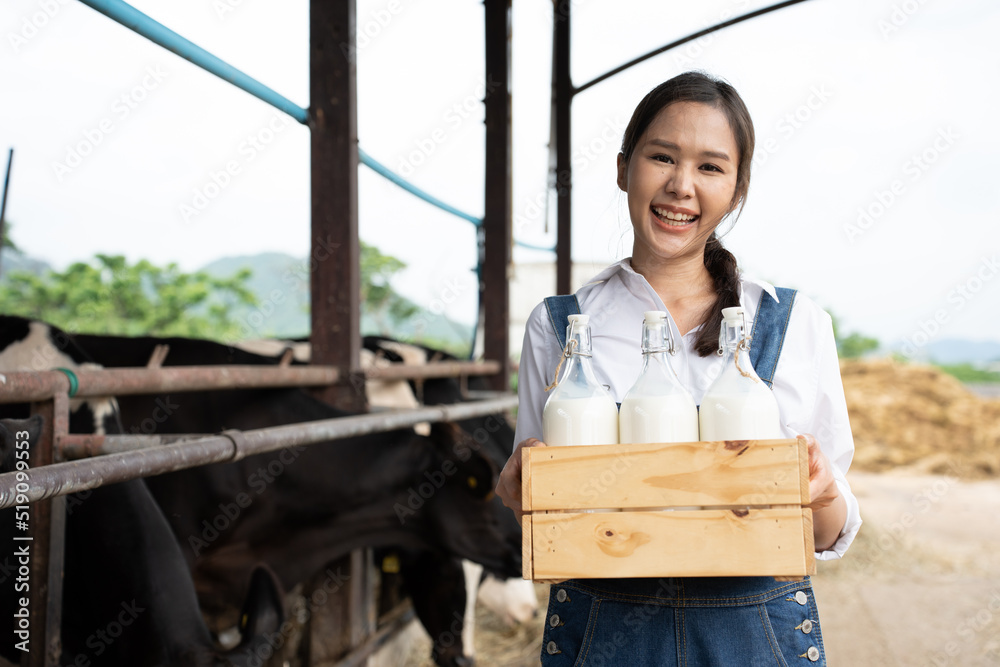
{"x": 560, "y": 308}
{"x": 768, "y": 333}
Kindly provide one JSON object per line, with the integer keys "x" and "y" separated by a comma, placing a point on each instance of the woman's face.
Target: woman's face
{"x": 680, "y": 181}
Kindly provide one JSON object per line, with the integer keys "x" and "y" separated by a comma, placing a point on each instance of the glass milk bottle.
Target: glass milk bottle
{"x": 657, "y": 408}
{"x": 579, "y": 411}
{"x": 738, "y": 405}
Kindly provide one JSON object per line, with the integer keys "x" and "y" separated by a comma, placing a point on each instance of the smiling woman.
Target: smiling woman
{"x": 685, "y": 168}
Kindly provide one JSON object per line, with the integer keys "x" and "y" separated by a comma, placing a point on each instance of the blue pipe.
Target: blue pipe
{"x": 385, "y": 172}
{"x": 133, "y": 19}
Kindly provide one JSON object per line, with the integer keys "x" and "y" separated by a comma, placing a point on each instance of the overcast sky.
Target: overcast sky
{"x": 874, "y": 180}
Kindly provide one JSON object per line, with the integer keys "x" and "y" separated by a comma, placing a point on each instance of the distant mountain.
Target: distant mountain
{"x": 15, "y": 261}
{"x": 958, "y": 351}
{"x": 281, "y": 283}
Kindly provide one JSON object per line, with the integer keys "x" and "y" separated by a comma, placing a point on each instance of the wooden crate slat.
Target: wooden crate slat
{"x": 733, "y": 473}
{"x": 764, "y": 542}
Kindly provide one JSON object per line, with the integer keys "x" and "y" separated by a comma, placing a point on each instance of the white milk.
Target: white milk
{"x": 580, "y": 421}
{"x": 670, "y": 418}
{"x": 745, "y": 416}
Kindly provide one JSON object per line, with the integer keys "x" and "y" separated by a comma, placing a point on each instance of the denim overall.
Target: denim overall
{"x": 689, "y": 621}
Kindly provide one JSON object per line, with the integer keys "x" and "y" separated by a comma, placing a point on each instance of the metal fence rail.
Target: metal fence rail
{"x": 72, "y": 476}
{"x": 26, "y": 386}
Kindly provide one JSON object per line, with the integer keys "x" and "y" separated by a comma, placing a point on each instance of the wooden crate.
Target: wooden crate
{"x": 737, "y": 509}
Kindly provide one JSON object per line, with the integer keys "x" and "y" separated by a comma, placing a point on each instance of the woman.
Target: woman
{"x": 685, "y": 167}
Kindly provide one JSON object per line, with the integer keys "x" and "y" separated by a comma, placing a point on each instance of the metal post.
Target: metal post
{"x": 3, "y": 201}
{"x": 497, "y": 222}
{"x": 335, "y": 256}
{"x": 562, "y": 99}
{"x": 47, "y": 532}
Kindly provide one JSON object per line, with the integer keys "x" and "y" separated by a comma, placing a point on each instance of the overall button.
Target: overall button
{"x": 807, "y": 626}
{"x": 801, "y": 597}
{"x": 554, "y": 620}
{"x": 552, "y": 649}
{"x": 813, "y": 654}
{"x": 561, "y": 595}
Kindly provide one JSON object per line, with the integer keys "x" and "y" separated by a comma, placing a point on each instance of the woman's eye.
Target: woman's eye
{"x": 663, "y": 158}
{"x": 711, "y": 167}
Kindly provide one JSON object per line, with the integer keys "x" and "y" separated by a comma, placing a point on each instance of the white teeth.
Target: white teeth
{"x": 676, "y": 217}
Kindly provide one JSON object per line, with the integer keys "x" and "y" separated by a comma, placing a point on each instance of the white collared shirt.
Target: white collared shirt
{"x": 807, "y": 384}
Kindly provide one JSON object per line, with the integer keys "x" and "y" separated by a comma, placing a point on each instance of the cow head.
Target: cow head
{"x": 462, "y": 511}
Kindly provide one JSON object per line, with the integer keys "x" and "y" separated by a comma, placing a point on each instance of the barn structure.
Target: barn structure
{"x": 335, "y": 370}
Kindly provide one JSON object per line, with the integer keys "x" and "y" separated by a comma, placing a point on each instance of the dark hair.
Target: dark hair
{"x": 721, "y": 264}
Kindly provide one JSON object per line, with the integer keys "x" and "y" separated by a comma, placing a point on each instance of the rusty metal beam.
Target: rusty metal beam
{"x": 25, "y": 386}
{"x": 73, "y": 476}
{"x": 498, "y": 221}
{"x": 562, "y": 99}
{"x": 335, "y": 279}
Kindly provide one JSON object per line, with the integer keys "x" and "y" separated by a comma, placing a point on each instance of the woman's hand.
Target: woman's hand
{"x": 828, "y": 505}
{"x": 509, "y": 484}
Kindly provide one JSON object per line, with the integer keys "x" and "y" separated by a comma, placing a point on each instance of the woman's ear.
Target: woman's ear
{"x": 622, "y": 166}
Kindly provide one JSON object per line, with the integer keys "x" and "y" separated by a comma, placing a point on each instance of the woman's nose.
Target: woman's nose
{"x": 680, "y": 183}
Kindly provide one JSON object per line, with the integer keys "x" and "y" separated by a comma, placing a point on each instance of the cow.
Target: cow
{"x": 398, "y": 489}
{"x": 513, "y": 600}
{"x": 128, "y": 597}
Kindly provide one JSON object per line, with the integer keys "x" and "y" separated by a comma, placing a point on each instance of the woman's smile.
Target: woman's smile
{"x": 674, "y": 217}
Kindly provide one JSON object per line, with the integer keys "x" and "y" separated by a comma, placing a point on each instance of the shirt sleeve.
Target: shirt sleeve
{"x": 537, "y": 352}
{"x": 825, "y": 416}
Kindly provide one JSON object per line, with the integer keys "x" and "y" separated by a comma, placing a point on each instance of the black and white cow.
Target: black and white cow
{"x": 128, "y": 596}
{"x": 303, "y": 507}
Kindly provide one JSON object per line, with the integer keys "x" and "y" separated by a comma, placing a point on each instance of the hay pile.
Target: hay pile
{"x": 918, "y": 418}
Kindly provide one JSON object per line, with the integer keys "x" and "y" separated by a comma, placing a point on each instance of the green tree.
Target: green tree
{"x": 111, "y": 296}
{"x": 853, "y": 346}
{"x": 377, "y": 296}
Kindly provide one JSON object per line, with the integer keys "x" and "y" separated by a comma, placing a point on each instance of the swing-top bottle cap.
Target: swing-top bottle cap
{"x": 578, "y": 319}
{"x": 733, "y": 314}
{"x": 653, "y": 316}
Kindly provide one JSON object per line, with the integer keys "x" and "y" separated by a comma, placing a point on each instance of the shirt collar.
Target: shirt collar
{"x": 625, "y": 267}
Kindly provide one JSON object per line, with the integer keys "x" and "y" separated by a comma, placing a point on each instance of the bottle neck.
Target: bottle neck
{"x": 735, "y": 348}
{"x": 731, "y": 336}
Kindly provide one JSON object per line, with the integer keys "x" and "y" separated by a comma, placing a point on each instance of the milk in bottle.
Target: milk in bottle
{"x": 579, "y": 411}
{"x": 738, "y": 405}
{"x": 657, "y": 408}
